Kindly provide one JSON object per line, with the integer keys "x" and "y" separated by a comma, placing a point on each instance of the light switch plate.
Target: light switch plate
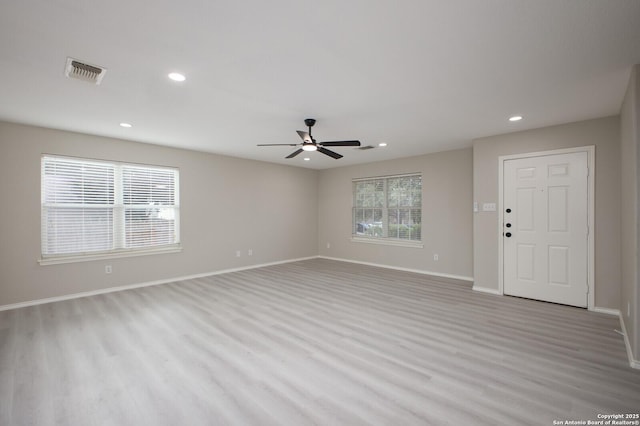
{"x": 489, "y": 207}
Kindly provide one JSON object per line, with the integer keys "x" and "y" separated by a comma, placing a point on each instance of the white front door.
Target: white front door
{"x": 545, "y": 228}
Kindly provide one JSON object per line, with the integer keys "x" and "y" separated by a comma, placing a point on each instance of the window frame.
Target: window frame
{"x": 386, "y": 208}
{"x": 118, "y": 209}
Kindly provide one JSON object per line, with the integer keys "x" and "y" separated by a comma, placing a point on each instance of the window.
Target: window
{"x": 388, "y": 209}
{"x": 93, "y": 208}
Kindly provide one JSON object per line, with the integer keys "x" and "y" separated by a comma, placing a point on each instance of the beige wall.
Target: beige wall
{"x": 228, "y": 204}
{"x": 282, "y": 212}
{"x": 446, "y": 214}
{"x": 629, "y": 218}
{"x": 604, "y": 133}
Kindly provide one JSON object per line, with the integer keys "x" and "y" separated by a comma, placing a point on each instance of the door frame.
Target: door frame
{"x": 591, "y": 151}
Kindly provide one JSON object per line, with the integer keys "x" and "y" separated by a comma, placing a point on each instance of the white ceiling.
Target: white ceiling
{"x": 423, "y": 76}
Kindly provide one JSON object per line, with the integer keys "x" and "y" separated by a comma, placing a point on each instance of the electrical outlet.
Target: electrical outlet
{"x": 108, "y": 269}
{"x": 328, "y": 245}
{"x": 238, "y": 253}
{"x": 435, "y": 257}
{"x": 250, "y": 252}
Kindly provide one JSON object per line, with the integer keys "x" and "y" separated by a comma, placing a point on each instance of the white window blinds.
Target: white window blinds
{"x": 388, "y": 208}
{"x": 91, "y": 207}
{"x": 149, "y": 206}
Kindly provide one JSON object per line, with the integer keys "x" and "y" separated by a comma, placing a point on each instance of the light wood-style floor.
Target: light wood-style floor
{"x": 312, "y": 342}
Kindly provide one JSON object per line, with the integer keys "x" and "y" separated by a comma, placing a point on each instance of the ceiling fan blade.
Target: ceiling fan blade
{"x": 329, "y": 153}
{"x": 294, "y": 153}
{"x": 278, "y": 144}
{"x": 304, "y": 135}
{"x": 340, "y": 143}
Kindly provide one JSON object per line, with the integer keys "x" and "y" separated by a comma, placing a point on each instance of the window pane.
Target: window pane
{"x": 77, "y": 202}
{"x": 393, "y": 217}
{"x": 73, "y": 182}
{"x": 150, "y": 206}
{"x": 142, "y": 186}
{"x": 398, "y": 207}
{"x": 394, "y": 192}
{"x": 147, "y": 227}
{"x": 416, "y": 224}
{"x": 374, "y": 222}
{"x": 369, "y": 194}
{"x": 405, "y": 224}
{"x": 368, "y": 222}
{"x": 405, "y": 191}
{"x": 417, "y": 192}
{"x": 77, "y": 230}
{"x": 357, "y": 218}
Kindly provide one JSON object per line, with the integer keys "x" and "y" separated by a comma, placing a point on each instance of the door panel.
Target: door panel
{"x": 559, "y": 265}
{"x": 525, "y": 207}
{"x": 526, "y": 261}
{"x": 558, "y": 220}
{"x": 546, "y": 254}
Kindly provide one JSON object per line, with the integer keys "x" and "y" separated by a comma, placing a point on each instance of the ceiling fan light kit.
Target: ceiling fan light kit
{"x": 309, "y": 143}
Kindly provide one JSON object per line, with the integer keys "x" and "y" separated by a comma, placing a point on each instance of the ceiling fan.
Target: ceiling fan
{"x": 310, "y": 144}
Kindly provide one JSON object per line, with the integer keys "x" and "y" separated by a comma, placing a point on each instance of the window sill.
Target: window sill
{"x": 388, "y": 242}
{"x": 108, "y": 255}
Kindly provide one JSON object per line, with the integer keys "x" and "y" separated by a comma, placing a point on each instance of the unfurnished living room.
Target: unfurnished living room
{"x": 421, "y": 212}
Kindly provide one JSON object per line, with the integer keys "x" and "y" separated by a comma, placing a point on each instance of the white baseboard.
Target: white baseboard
{"x": 608, "y": 311}
{"x": 634, "y": 363}
{"x": 487, "y": 290}
{"x": 145, "y": 284}
{"x": 397, "y": 268}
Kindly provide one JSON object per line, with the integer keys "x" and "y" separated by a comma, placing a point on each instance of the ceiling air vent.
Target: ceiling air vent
{"x": 83, "y": 71}
{"x": 364, "y": 148}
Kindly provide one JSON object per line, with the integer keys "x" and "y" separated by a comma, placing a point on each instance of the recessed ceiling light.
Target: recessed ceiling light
{"x": 127, "y": 125}
{"x": 307, "y": 159}
{"x": 515, "y": 118}
{"x": 382, "y": 144}
{"x": 175, "y": 76}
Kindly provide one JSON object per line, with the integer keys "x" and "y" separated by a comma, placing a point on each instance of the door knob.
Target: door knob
{"x": 508, "y": 234}
{"x": 508, "y": 225}
{"x": 508, "y": 210}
